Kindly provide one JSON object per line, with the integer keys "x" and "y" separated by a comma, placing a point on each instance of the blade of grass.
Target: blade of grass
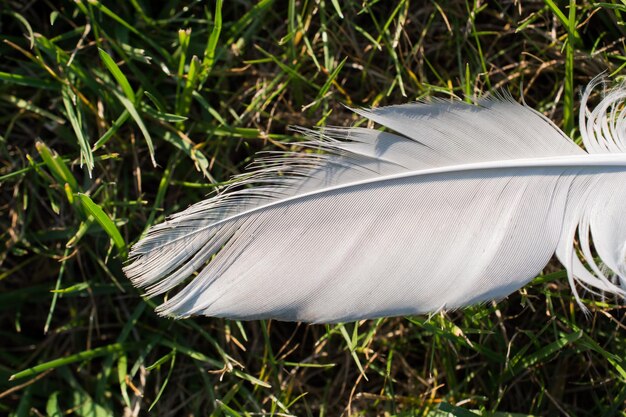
{"x": 573, "y": 38}
{"x": 55, "y": 292}
{"x": 456, "y": 411}
{"x": 57, "y": 167}
{"x": 27, "y": 81}
{"x": 52, "y": 406}
{"x": 525, "y": 362}
{"x": 130, "y": 107}
{"x": 331, "y": 79}
{"x": 352, "y": 343}
{"x": 337, "y": 8}
{"x": 122, "y": 373}
{"x": 209, "y": 53}
{"x": 78, "y": 357}
{"x": 112, "y": 130}
{"x": 117, "y": 74}
{"x": 191, "y": 81}
{"x": 104, "y": 221}
{"x": 97, "y": 4}
{"x": 165, "y": 381}
{"x": 26, "y": 105}
{"x": 75, "y": 116}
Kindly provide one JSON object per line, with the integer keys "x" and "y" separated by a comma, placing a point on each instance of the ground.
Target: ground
{"x": 117, "y": 114}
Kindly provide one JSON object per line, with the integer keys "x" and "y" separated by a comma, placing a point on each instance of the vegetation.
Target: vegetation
{"x": 115, "y": 114}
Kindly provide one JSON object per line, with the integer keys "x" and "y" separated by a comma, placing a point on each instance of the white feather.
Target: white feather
{"x": 461, "y": 204}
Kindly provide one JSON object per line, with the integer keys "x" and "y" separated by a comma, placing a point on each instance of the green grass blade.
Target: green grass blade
{"x": 74, "y": 114}
{"x": 191, "y": 81}
{"x": 525, "y": 362}
{"x": 331, "y": 78}
{"x": 78, "y": 357}
{"x": 104, "y": 221}
{"x": 26, "y": 81}
{"x": 52, "y": 406}
{"x": 456, "y": 411}
{"x": 119, "y": 122}
{"x": 337, "y": 8}
{"x": 107, "y": 11}
{"x": 117, "y": 73}
{"x": 55, "y": 292}
{"x": 26, "y": 105}
{"x": 183, "y": 143}
{"x": 209, "y": 53}
{"x": 164, "y": 384}
{"x": 122, "y": 373}
{"x": 57, "y": 167}
{"x": 130, "y": 107}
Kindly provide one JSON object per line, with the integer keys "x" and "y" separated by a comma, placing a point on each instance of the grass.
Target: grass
{"x": 116, "y": 114}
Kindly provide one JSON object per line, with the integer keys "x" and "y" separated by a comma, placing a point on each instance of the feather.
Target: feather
{"x": 455, "y": 204}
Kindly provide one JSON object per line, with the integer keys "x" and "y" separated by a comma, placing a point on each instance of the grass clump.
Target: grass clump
{"x": 116, "y": 114}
